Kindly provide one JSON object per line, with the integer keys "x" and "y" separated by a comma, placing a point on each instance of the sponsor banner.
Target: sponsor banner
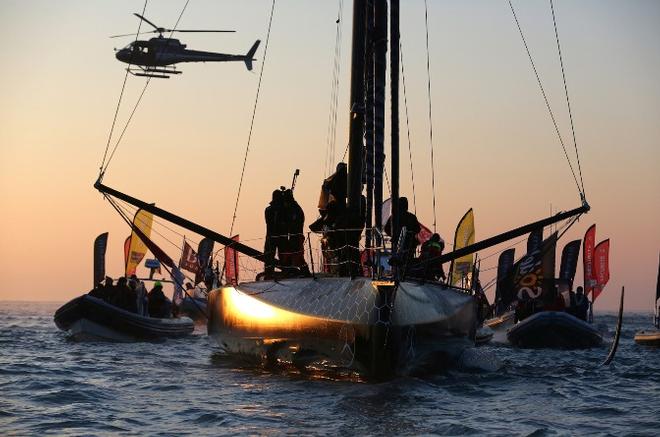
{"x": 587, "y": 259}
{"x": 601, "y": 267}
{"x": 534, "y": 240}
{"x": 569, "y": 261}
{"x": 529, "y": 271}
{"x": 138, "y": 248}
{"x": 231, "y": 263}
{"x": 461, "y": 270}
{"x": 503, "y": 286}
{"x": 188, "y": 259}
{"x": 100, "y": 246}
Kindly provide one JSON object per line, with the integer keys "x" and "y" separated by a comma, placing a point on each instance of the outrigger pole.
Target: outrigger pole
{"x": 514, "y": 233}
{"x": 180, "y": 221}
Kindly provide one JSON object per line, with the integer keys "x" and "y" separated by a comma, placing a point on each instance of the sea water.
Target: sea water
{"x": 51, "y": 385}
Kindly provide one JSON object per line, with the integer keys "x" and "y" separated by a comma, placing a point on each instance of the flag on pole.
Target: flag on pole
{"x": 588, "y": 259}
{"x": 188, "y": 259}
{"x": 231, "y": 263}
{"x": 601, "y": 267}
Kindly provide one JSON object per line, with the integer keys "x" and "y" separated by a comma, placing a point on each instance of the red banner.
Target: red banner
{"x": 188, "y": 259}
{"x": 587, "y": 259}
{"x": 424, "y": 234}
{"x": 601, "y": 266}
{"x": 231, "y": 263}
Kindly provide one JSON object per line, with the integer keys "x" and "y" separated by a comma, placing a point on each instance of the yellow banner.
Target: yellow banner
{"x": 461, "y": 274}
{"x": 138, "y": 249}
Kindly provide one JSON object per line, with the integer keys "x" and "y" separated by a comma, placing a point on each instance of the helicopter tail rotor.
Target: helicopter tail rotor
{"x": 249, "y": 57}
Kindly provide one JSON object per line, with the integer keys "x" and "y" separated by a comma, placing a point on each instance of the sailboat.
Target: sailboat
{"x": 651, "y": 337}
{"x": 380, "y": 325}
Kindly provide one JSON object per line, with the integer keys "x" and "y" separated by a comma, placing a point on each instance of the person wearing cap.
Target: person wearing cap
{"x": 431, "y": 251}
{"x": 159, "y": 305}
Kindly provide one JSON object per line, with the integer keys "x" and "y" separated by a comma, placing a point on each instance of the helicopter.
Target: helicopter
{"x": 155, "y": 57}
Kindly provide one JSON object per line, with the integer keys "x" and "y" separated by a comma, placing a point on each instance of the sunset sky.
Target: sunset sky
{"x": 495, "y": 147}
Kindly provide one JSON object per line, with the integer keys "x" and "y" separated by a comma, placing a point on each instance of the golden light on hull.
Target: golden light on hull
{"x": 241, "y": 310}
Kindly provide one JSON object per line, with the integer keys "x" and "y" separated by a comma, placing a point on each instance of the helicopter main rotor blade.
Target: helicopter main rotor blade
{"x": 144, "y": 19}
{"x": 132, "y": 34}
{"x": 190, "y": 31}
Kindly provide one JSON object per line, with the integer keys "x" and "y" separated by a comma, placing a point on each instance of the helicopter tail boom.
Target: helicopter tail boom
{"x": 249, "y": 57}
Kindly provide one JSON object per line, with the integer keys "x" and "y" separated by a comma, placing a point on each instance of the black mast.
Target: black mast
{"x": 380, "y": 69}
{"x": 394, "y": 96}
{"x": 356, "y": 124}
{"x": 369, "y": 123}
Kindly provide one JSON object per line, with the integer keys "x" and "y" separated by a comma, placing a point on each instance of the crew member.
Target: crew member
{"x": 294, "y": 218}
{"x": 430, "y": 252}
{"x": 581, "y": 304}
{"x": 274, "y": 232}
{"x": 410, "y": 222}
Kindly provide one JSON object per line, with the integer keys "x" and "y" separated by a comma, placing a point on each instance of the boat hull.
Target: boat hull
{"x": 556, "y": 330}
{"x": 648, "y": 338}
{"x": 366, "y": 326}
{"x": 87, "y": 318}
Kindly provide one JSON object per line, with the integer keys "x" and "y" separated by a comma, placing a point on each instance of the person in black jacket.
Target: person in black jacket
{"x": 274, "y": 231}
{"x": 408, "y": 220}
{"x": 159, "y": 305}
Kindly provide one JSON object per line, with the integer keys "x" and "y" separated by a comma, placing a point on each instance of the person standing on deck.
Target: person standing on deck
{"x": 409, "y": 221}
{"x": 430, "y": 252}
{"x": 273, "y": 215}
{"x": 294, "y": 218}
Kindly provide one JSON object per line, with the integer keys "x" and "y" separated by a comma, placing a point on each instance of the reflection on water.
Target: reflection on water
{"x": 186, "y": 386}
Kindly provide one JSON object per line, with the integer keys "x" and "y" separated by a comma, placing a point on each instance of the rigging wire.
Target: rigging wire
{"x": 545, "y": 98}
{"x": 254, "y": 111}
{"x": 104, "y": 168}
{"x": 121, "y": 95}
{"x": 428, "y": 75}
{"x": 568, "y": 101}
{"x": 405, "y": 104}
{"x": 331, "y": 137}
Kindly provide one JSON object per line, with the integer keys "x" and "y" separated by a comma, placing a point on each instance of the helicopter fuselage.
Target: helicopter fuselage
{"x": 160, "y": 52}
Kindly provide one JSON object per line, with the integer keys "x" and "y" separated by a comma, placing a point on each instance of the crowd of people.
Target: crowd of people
{"x": 575, "y": 303}
{"x": 131, "y": 295}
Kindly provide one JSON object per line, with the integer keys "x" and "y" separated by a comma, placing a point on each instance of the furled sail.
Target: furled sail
{"x": 100, "y": 246}
{"x": 138, "y": 248}
{"x": 461, "y": 270}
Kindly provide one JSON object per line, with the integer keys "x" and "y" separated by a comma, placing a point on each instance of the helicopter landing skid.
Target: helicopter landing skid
{"x": 161, "y": 73}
